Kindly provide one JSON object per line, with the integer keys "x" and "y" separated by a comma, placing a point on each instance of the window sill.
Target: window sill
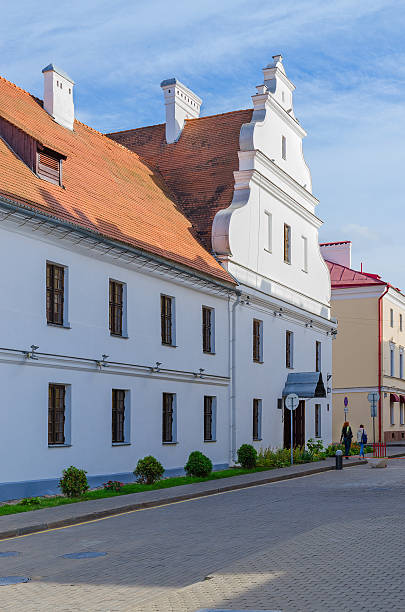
{"x": 120, "y": 443}
{"x": 287, "y": 262}
{"x": 257, "y": 439}
{"x": 122, "y": 336}
{"x": 268, "y": 251}
{"x": 169, "y": 345}
{"x": 59, "y": 445}
{"x": 169, "y": 443}
{"x": 209, "y": 352}
{"x": 64, "y": 326}
{"x": 257, "y": 361}
{"x": 208, "y": 441}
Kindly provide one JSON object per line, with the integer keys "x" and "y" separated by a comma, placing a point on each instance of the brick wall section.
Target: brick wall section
{"x": 199, "y": 167}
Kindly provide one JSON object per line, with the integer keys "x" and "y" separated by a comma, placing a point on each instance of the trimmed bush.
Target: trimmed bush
{"x": 148, "y": 470}
{"x": 198, "y": 465}
{"x": 113, "y": 485}
{"x": 247, "y": 456}
{"x": 73, "y": 482}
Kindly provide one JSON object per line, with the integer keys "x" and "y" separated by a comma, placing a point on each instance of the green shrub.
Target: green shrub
{"x": 73, "y": 482}
{"x": 198, "y": 465}
{"x": 247, "y": 456}
{"x": 30, "y": 501}
{"x": 148, "y": 470}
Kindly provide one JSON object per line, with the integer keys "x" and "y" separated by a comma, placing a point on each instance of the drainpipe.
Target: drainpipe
{"x": 232, "y": 375}
{"x": 380, "y": 340}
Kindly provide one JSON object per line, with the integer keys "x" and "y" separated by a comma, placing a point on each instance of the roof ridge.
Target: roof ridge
{"x": 20, "y": 88}
{"x": 240, "y": 110}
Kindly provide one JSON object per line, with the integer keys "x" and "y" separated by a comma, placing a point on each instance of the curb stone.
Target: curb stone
{"x": 141, "y": 505}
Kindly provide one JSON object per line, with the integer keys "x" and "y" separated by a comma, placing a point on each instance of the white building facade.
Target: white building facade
{"x": 197, "y": 363}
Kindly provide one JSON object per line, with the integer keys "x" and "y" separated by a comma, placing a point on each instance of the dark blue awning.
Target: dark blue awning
{"x": 305, "y": 384}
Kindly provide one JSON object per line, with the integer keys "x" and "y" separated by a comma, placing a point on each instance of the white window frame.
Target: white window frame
{"x": 269, "y": 230}
{"x": 65, "y": 293}
{"x": 67, "y": 430}
{"x": 400, "y": 322}
{"x": 392, "y": 415}
{"x": 212, "y": 334}
{"x": 283, "y": 147}
{"x": 401, "y": 363}
{"x": 174, "y": 439}
{"x": 127, "y": 418}
{"x": 291, "y": 366}
{"x": 401, "y": 413}
{"x": 392, "y": 360}
{"x": 259, "y": 419}
{"x": 214, "y": 419}
{"x": 289, "y": 250}
{"x": 391, "y": 317}
{"x": 124, "y": 307}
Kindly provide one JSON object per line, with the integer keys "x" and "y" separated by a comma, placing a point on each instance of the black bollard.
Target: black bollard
{"x": 339, "y": 460}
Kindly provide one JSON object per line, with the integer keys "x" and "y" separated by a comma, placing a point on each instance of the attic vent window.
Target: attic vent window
{"x": 49, "y": 166}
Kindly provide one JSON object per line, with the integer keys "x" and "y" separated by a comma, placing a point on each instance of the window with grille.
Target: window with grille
{"x": 289, "y": 349}
{"x": 166, "y": 319}
{"x": 257, "y": 340}
{"x": 317, "y": 356}
{"x": 287, "y": 243}
{"x": 55, "y": 289}
{"x": 116, "y": 307}
{"x": 257, "y": 416}
{"x": 118, "y": 415}
{"x": 49, "y": 166}
{"x": 208, "y": 329}
{"x": 168, "y": 421}
{"x": 56, "y": 414}
{"x": 209, "y": 418}
{"x": 317, "y": 420}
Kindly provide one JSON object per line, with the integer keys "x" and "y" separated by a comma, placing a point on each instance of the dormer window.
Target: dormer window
{"x": 49, "y": 166}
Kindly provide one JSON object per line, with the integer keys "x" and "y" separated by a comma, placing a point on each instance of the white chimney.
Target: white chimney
{"x": 181, "y": 104}
{"x": 58, "y": 96}
{"x": 338, "y": 252}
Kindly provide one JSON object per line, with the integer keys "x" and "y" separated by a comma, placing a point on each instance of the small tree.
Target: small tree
{"x": 148, "y": 470}
{"x": 73, "y": 482}
{"x": 247, "y": 456}
{"x": 198, "y": 465}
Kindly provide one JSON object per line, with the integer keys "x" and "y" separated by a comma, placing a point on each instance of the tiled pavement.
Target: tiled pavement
{"x": 332, "y": 541}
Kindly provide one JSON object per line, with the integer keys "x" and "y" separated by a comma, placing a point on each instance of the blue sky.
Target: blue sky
{"x": 346, "y": 58}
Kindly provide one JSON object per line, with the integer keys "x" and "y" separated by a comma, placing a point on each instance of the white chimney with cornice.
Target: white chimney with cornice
{"x": 181, "y": 104}
{"x": 58, "y": 96}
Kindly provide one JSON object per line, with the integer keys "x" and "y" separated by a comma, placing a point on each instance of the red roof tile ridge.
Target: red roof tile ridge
{"x": 2, "y": 78}
{"x": 234, "y": 112}
{"x": 142, "y": 127}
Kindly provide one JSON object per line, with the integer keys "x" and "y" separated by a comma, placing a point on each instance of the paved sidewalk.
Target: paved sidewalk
{"x": 49, "y": 518}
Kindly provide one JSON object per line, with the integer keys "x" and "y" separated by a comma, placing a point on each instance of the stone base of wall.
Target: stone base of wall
{"x": 394, "y": 436}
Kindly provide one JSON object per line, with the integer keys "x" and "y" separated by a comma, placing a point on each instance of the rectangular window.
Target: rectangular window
{"x": 49, "y": 166}
{"x": 304, "y": 253}
{"x": 392, "y": 422}
{"x": 391, "y": 317}
{"x": 56, "y": 414}
{"x": 400, "y": 322}
{"x": 317, "y": 420}
{"x": 269, "y": 232}
{"x": 401, "y": 365}
{"x": 118, "y": 416}
{"x": 209, "y": 418}
{"x": 318, "y": 362}
{"x": 257, "y": 419}
{"x": 283, "y": 147}
{"x": 208, "y": 329}
{"x": 55, "y": 290}
{"x": 401, "y": 413}
{"x": 166, "y": 319}
{"x": 116, "y": 304}
{"x": 289, "y": 348}
{"x": 169, "y": 418}
{"x": 392, "y": 362}
{"x": 287, "y": 243}
{"x": 257, "y": 340}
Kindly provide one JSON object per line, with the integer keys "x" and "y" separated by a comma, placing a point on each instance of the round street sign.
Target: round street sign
{"x": 291, "y": 401}
{"x": 373, "y": 397}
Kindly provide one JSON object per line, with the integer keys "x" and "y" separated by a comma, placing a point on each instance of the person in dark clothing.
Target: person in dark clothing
{"x": 346, "y": 437}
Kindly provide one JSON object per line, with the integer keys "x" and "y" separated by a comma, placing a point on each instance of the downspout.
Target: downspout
{"x": 380, "y": 329}
{"x": 232, "y": 376}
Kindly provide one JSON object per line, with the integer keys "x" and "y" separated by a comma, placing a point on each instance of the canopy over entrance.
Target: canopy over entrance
{"x": 305, "y": 384}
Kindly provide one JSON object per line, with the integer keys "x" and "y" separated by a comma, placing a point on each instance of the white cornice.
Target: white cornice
{"x": 286, "y": 178}
{"x": 395, "y": 297}
{"x": 243, "y": 178}
{"x": 353, "y": 293}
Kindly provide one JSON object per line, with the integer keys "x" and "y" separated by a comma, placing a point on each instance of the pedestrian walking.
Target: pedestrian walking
{"x": 346, "y": 438}
{"x": 362, "y": 440}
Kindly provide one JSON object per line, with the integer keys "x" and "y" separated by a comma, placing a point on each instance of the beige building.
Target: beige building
{"x": 368, "y": 352}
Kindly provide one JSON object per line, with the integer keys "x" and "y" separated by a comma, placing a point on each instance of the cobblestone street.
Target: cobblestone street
{"x": 331, "y": 541}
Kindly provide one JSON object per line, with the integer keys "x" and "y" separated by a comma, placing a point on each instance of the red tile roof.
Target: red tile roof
{"x": 107, "y": 188}
{"x": 341, "y": 276}
{"x": 199, "y": 167}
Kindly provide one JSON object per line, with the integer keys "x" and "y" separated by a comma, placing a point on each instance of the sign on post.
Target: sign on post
{"x": 291, "y": 403}
{"x": 373, "y": 398}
